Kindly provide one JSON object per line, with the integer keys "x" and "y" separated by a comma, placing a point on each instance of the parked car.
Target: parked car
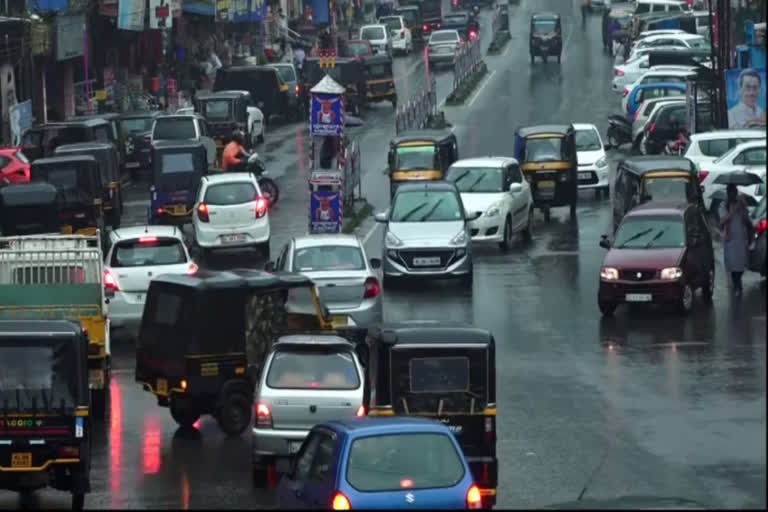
{"x": 380, "y": 463}
{"x": 705, "y": 148}
{"x": 133, "y": 257}
{"x": 14, "y": 166}
{"x": 665, "y": 124}
{"x": 443, "y": 46}
{"x": 427, "y": 233}
{"x": 686, "y": 41}
{"x": 379, "y": 38}
{"x": 592, "y": 160}
{"x": 644, "y": 112}
{"x": 748, "y": 156}
{"x": 661, "y": 253}
{"x": 306, "y": 379}
{"x": 646, "y": 91}
{"x": 703, "y": 24}
{"x": 345, "y": 277}
{"x": 678, "y": 76}
{"x": 231, "y": 213}
{"x": 757, "y": 254}
{"x": 631, "y": 71}
{"x": 660, "y": 6}
{"x": 400, "y": 34}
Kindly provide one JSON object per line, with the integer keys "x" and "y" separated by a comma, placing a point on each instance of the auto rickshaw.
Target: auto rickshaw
{"x": 379, "y": 80}
{"x": 44, "y": 406}
{"x": 177, "y": 166}
{"x": 347, "y": 72}
{"x": 547, "y": 156}
{"x": 78, "y": 180}
{"x": 106, "y": 155}
{"x": 30, "y": 209}
{"x": 41, "y": 141}
{"x": 204, "y": 336}
{"x": 224, "y": 111}
{"x": 640, "y": 179}
{"x": 137, "y": 131}
{"x": 421, "y": 155}
{"x": 445, "y": 371}
{"x": 546, "y": 37}
{"x": 119, "y": 137}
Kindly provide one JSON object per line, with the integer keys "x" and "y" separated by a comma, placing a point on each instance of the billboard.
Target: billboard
{"x": 130, "y": 15}
{"x": 745, "y": 98}
{"x": 326, "y": 115}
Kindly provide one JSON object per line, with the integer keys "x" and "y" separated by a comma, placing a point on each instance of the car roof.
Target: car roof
{"x": 312, "y": 340}
{"x": 485, "y": 161}
{"x": 180, "y": 116}
{"x": 649, "y": 163}
{"x": 12, "y": 328}
{"x": 433, "y": 332}
{"x": 418, "y": 135}
{"x": 407, "y": 8}
{"x": 668, "y": 72}
{"x": 430, "y": 185}
{"x": 673, "y": 85}
{"x": 360, "y": 427}
{"x": 133, "y": 232}
{"x": 684, "y": 36}
{"x": 734, "y": 134}
{"x": 234, "y": 279}
{"x": 374, "y": 25}
{"x": 321, "y": 240}
{"x": 78, "y": 146}
{"x": 390, "y": 16}
{"x": 89, "y": 122}
{"x": 670, "y": 208}
{"x": 445, "y": 31}
{"x": 51, "y": 160}
{"x": 228, "y": 177}
{"x": 545, "y": 15}
{"x": 584, "y": 126}
{"x": 228, "y": 95}
{"x": 662, "y": 2}
{"x": 177, "y": 144}
{"x": 140, "y": 114}
{"x": 107, "y": 116}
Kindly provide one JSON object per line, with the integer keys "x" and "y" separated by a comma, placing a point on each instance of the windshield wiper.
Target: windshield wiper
{"x": 414, "y": 210}
{"x": 431, "y": 210}
{"x": 656, "y": 237}
{"x": 478, "y": 180}
{"x": 635, "y": 237}
{"x": 462, "y": 176}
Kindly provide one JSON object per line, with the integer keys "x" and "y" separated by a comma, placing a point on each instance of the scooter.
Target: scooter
{"x": 619, "y": 130}
{"x": 267, "y": 185}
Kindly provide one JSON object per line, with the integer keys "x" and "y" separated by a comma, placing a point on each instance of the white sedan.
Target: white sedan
{"x": 747, "y": 156}
{"x": 494, "y": 188}
{"x": 593, "y": 164}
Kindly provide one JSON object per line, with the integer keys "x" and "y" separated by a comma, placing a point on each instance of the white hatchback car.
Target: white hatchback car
{"x": 593, "y": 163}
{"x": 747, "y": 156}
{"x": 679, "y": 76}
{"x": 231, "y": 213}
{"x": 706, "y": 147}
{"x": 136, "y": 255}
{"x": 494, "y": 189}
{"x": 690, "y": 41}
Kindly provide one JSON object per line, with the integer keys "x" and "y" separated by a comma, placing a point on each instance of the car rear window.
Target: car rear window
{"x": 439, "y": 374}
{"x": 395, "y": 462}
{"x": 372, "y": 33}
{"x": 392, "y": 22}
{"x": 149, "y": 251}
{"x": 313, "y": 370}
{"x": 174, "y": 129}
{"x": 177, "y": 162}
{"x": 137, "y": 124}
{"x": 716, "y": 147}
{"x": 286, "y": 73}
{"x": 328, "y": 257}
{"x": 444, "y": 37}
{"x": 224, "y": 194}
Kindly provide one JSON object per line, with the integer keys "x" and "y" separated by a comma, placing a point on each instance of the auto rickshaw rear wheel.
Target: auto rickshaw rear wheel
{"x": 234, "y": 414}
{"x": 78, "y": 501}
{"x": 183, "y": 413}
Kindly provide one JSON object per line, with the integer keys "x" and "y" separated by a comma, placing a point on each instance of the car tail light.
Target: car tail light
{"x": 489, "y": 434}
{"x": 202, "y": 212}
{"x": 159, "y": 211}
{"x": 110, "y": 283}
{"x": 439, "y": 25}
{"x": 192, "y": 269}
{"x": 263, "y": 415}
{"x": 148, "y": 240}
{"x": 262, "y": 205}
{"x": 360, "y": 411}
{"x": 69, "y": 451}
{"x": 340, "y": 502}
{"x": 372, "y": 288}
{"x": 425, "y": 27}
{"x": 296, "y": 89}
{"x": 761, "y": 226}
{"x": 472, "y": 34}
{"x": 618, "y": 72}
{"x": 634, "y": 117}
{"x": 703, "y": 175}
{"x": 474, "y": 499}
{"x": 624, "y": 92}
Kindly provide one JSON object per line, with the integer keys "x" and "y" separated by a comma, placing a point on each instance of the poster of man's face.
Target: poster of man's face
{"x": 746, "y": 98}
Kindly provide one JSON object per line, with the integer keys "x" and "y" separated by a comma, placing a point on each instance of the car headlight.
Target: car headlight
{"x": 493, "y": 210}
{"x": 609, "y": 274}
{"x": 601, "y": 162}
{"x": 392, "y": 241}
{"x": 460, "y": 238}
{"x": 671, "y": 273}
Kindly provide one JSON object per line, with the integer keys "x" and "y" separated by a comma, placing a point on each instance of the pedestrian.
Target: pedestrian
{"x": 736, "y": 228}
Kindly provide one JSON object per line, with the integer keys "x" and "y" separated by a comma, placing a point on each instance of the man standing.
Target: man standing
{"x": 747, "y": 112}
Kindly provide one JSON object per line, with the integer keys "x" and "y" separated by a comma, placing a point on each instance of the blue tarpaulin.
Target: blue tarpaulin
{"x": 258, "y": 10}
{"x": 320, "y": 14}
{"x": 46, "y": 5}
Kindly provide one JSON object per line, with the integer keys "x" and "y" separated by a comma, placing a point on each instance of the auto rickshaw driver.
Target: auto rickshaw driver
{"x": 235, "y": 157}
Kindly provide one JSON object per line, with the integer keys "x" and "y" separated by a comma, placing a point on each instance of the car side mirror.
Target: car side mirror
{"x": 270, "y": 266}
{"x": 604, "y": 242}
{"x": 470, "y": 216}
{"x": 515, "y": 188}
{"x": 381, "y": 217}
{"x": 375, "y": 263}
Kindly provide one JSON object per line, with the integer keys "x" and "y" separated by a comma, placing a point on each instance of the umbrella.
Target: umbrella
{"x": 721, "y": 195}
{"x": 739, "y": 178}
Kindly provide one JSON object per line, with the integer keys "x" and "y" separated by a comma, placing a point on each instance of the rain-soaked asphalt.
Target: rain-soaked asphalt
{"x": 647, "y": 403}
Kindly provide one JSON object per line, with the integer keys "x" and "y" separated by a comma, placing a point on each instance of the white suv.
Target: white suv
{"x": 401, "y": 35}
{"x": 231, "y": 213}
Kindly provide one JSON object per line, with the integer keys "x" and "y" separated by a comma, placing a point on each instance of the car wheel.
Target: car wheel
{"x": 528, "y": 231}
{"x": 708, "y": 290}
{"x": 234, "y": 414}
{"x": 507, "y": 237}
{"x": 686, "y": 299}
{"x": 607, "y": 308}
{"x": 183, "y": 414}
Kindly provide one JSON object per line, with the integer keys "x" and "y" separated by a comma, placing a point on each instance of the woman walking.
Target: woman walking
{"x": 736, "y": 227}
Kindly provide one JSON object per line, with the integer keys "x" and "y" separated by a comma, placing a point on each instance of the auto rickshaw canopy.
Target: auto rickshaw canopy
{"x": 178, "y": 158}
{"x": 77, "y": 177}
{"x": 29, "y": 208}
{"x": 648, "y": 169}
{"x": 104, "y": 153}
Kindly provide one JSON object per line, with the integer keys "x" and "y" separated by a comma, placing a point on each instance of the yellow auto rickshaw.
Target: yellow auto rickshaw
{"x": 421, "y": 155}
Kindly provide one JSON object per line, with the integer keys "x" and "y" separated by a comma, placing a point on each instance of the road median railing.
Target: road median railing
{"x": 468, "y": 69}
{"x": 499, "y": 32}
{"x": 417, "y": 111}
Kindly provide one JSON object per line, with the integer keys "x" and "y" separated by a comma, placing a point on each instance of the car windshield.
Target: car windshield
{"x": 477, "y": 179}
{"x": 665, "y": 189}
{"x": 426, "y": 205}
{"x": 177, "y": 162}
{"x": 217, "y": 110}
{"x": 544, "y": 26}
{"x": 286, "y": 73}
{"x": 416, "y": 158}
{"x": 148, "y": 251}
{"x": 225, "y": 194}
{"x": 372, "y": 33}
{"x": 588, "y": 140}
{"x": 391, "y": 22}
{"x": 356, "y": 49}
{"x": 643, "y": 232}
{"x": 444, "y": 37}
{"x": 400, "y": 462}
{"x": 174, "y": 129}
{"x": 328, "y": 258}
{"x": 544, "y": 150}
{"x": 137, "y": 124}
{"x": 312, "y": 370}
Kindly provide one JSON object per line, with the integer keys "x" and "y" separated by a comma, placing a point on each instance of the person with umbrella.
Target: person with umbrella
{"x": 736, "y": 228}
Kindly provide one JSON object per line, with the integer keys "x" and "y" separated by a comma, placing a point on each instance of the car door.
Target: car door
{"x": 291, "y": 489}
{"x": 753, "y": 159}
{"x": 321, "y": 484}
{"x": 518, "y": 203}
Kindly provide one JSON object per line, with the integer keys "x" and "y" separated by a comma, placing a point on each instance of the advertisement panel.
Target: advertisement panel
{"x": 745, "y": 98}
{"x": 160, "y": 14}
{"x": 326, "y": 115}
{"x": 69, "y": 36}
{"x": 324, "y": 208}
{"x": 130, "y": 15}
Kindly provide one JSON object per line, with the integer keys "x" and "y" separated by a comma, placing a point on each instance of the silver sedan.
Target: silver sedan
{"x": 345, "y": 278}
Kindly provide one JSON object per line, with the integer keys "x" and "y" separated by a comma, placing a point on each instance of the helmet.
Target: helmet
{"x": 238, "y": 136}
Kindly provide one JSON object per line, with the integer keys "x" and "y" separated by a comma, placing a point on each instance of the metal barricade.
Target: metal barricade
{"x": 415, "y": 113}
{"x": 467, "y": 59}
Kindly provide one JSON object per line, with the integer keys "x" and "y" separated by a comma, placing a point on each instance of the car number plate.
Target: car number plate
{"x": 294, "y": 446}
{"x": 546, "y": 184}
{"x": 426, "y": 262}
{"x": 21, "y": 460}
{"x": 162, "y": 386}
{"x": 585, "y": 175}
{"x": 638, "y": 297}
{"x": 232, "y": 239}
{"x": 179, "y": 209}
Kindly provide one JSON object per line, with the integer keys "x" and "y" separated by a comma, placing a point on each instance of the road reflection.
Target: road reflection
{"x": 151, "y": 443}
{"x": 115, "y": 443}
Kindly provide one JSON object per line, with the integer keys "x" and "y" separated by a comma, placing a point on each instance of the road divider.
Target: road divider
{"x": 355, "y": 215}
{"x": 416, "y": 112}
{"x": 500, "y": 33}
{"x": 468, "y": 70}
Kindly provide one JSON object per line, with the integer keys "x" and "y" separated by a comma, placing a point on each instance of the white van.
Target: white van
{"x": 646, "y": 6}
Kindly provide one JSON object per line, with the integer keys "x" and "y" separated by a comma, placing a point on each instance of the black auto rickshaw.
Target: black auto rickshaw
{"x": 421, "y": 155}
{"x": 225, "y": 112}
{"x": 137, "y": 132}
{"x": 546, "y": 37}
{"x": 30, "y": 209}
{"x": 640, "y": 179}
{"x": 119, "y": 138}
{"x": 177, "y": 166}
{"x": 347, "y": 72}
{"x": 445, "y": 371}
{"x": 379, "y": 80}
{"x": 106, "y": 155}
{"x": 268, "y": 90}
{"x": 547, "y": 156}
{"x": 624, "y": 19}
{"x": 204, "y": 337}
{"x": 78, "y": 181}
{"x": 44, "y": 406}
{"x": 41, "y": 141}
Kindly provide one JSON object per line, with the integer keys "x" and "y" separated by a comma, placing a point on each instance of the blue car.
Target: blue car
{"x": 379, "y": 463}
{"x": 649, "y": 91}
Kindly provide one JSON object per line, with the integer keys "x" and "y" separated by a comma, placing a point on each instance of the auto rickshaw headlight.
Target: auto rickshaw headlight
{"x": 609, "y": 274}
{"x": 601, "y": 162}
{"x": 392, "y": 241}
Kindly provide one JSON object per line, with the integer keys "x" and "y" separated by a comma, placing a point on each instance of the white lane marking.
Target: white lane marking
{"x": 480, "y": 89}
{"x": 370, "y": 233}
{"x": 567, "y": 39}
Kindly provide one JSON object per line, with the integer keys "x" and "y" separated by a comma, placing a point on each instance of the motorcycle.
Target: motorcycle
{"x": 619, "y": 131}
{"x": 267, "y": 185}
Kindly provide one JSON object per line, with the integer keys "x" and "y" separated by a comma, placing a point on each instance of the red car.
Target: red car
{"x": 14, "y": 166}
{"x": 662, "y": 253}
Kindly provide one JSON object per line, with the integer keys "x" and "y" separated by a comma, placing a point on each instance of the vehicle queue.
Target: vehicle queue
{"x": 293, "y": 341}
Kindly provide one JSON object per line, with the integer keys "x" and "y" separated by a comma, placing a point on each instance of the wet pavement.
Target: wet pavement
{"x": 647, "y": 403}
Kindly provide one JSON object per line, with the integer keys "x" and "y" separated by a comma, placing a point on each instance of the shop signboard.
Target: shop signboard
{"x": 224, "y": 10}
{"x": 69, "y": 36}
{"x": 160, "y": 14}
{"x": 130, "y": 15}
{"x": 745, "y": 98}
{"x": 258, "y": 10}
{"x": 241, "y": 12}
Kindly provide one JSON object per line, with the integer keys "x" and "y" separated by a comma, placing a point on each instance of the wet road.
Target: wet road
{"x": 646, "y": 403}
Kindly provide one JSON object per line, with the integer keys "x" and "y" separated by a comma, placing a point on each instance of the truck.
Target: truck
{"x": 44, "y": 277}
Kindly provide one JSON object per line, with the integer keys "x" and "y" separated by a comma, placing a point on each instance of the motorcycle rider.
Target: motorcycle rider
{"x": 235, "y": 157}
